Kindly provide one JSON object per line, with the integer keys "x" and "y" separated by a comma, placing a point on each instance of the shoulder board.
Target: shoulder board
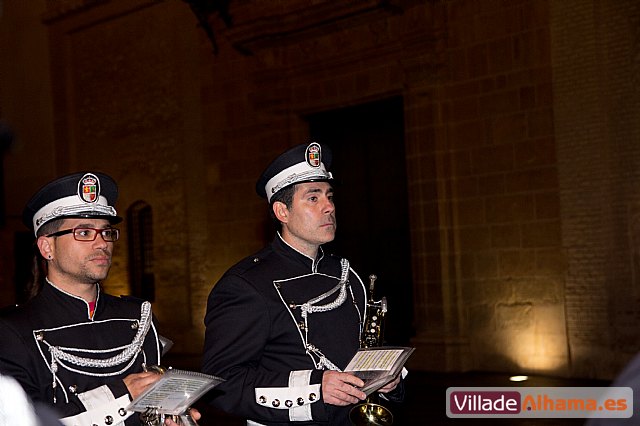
{"x": 252, "y": 261}
{"x": 130, "y": 298}
{"x": 247, "y": 264}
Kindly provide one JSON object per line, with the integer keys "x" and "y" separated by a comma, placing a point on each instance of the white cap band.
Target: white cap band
{"x": 301, "y": 172}
{"x": 69, "y": 206}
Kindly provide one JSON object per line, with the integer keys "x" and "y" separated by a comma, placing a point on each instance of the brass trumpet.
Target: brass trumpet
{"x": 371, "y": 412}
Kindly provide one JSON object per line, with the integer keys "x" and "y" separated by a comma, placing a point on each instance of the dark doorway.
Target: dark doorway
{"x": 367, "y": 142}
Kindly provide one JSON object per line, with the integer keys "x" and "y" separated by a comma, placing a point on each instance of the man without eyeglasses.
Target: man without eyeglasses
{"x": 283, "y": 323}
{"x": 72, "y": 346}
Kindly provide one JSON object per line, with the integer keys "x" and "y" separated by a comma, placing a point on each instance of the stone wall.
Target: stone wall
{"x": 596, "y": 63}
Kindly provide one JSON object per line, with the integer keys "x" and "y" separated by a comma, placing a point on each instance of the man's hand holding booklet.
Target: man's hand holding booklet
{"x": 378, "y": 366}
{"x": 174, "y": 393}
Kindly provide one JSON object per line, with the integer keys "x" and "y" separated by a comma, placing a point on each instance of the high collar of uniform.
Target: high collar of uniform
{"x": 56, "y": 295}
{"x": 280, "y": 245}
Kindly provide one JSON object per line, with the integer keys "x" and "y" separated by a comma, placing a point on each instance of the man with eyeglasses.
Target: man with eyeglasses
{"x": 71, "y": 345}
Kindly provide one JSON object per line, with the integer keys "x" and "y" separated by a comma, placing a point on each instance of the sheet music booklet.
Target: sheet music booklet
{"x": 377, "y": 366}
{"x": 175, "y": 392}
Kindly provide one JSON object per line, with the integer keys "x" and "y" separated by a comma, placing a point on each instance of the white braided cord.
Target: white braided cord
{"x": 58, "y": 353}
{"x": 128, "y": 354}
{"x": 89, "y": 373}
{"x": 310, "y": 306}
{"x": 323, "y": 361}
{"x": 320, "y": 361}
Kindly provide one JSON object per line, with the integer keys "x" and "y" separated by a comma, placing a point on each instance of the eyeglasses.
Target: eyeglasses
{"x": 90, "y": 234}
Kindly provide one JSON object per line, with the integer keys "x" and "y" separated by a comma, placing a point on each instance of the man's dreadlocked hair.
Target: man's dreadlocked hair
{"x": 39, "y": 264}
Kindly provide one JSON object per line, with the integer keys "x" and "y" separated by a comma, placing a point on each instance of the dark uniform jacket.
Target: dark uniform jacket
{"x": 40, "y": 343}
{"x": 271, "y": 355}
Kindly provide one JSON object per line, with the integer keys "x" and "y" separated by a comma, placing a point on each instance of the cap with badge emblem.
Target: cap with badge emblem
{"x": 84, "y": 194}
{"x": 302, "y": 163}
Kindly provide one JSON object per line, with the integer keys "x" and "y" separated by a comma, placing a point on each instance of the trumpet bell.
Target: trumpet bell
{"x": 370, "y": 414}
